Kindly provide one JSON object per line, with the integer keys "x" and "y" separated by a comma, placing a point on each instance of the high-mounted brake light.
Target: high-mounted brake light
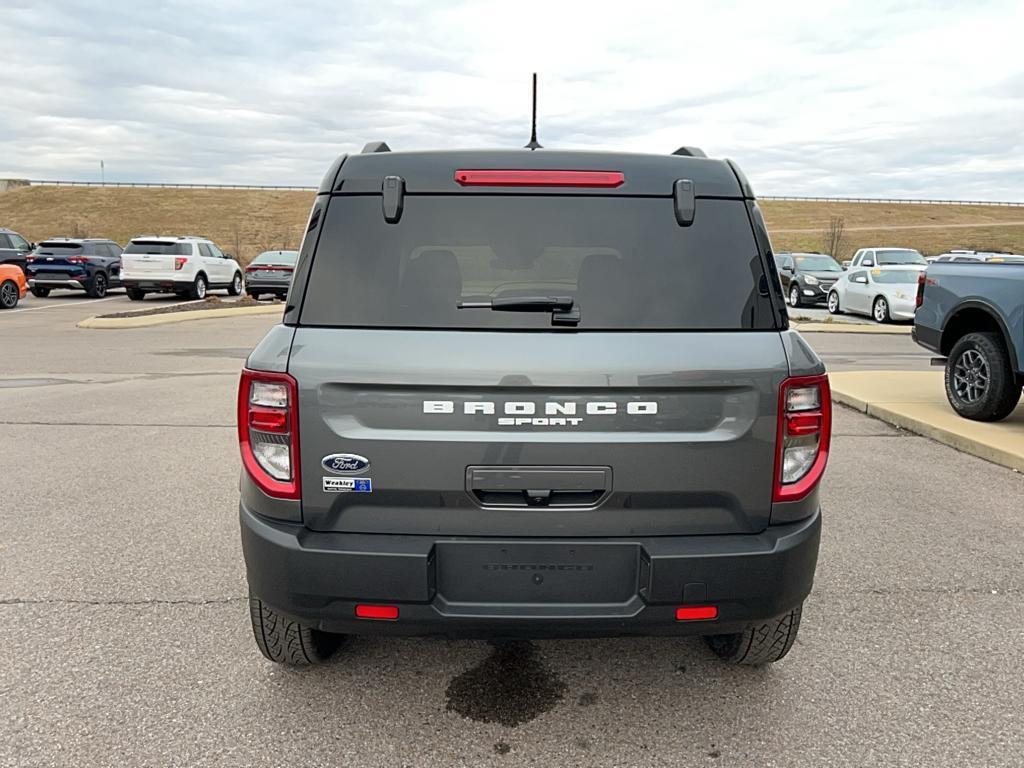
{"x": 179, "y": 261}
{"x": 534, "y": 178}
{"x": 803, "y": 437}
{"x": 268, "y": 432}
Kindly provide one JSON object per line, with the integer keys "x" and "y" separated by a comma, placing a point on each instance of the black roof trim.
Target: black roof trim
{"x": 741, "y": 177}
{"x": 690, "y": 152}
{"x": 434, "y": 172}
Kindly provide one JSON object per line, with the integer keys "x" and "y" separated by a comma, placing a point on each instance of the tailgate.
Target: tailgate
{"x": 137, "y": 263}
{"x": 537, "y": 434}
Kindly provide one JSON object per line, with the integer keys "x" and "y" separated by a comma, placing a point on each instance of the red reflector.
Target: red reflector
{"x": 268, "y": 419}
{"x": 519, "y": 178}
{"x": 377, "y": 612}
{"x": 803, "y": 423}
{"x": 696, "y": 613}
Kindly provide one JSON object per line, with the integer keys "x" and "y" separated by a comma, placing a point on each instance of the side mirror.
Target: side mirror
{"x": 846, "y": 265}
{"x": 787, "y": 268}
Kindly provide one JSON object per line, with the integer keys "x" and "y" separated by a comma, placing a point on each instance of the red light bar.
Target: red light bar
{"x": 532, "y": 178}
{"x": 696, "y": 613}
{"x": 377, "y": 612}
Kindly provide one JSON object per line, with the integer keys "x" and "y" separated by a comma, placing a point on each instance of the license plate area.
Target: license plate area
{"x": 537, "y": 573}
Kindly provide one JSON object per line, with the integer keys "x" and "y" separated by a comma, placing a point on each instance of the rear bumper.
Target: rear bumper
{"x": 156, "y": 285}
{"x": 41, "y": 281}
{"x": 267, "y": 285}
{"x": 437, "y": 582}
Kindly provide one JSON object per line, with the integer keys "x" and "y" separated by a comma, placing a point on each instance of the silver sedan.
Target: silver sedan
{"x": 884, "y": 293}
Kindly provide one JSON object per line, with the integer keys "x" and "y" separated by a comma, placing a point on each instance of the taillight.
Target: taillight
{"x": 30, "y": 259}
{"x": 804, "y": 435}
{"x": 78, "y": 259}
{"x": 251, "y": 268}
{"x": 920, "y": 289}
{"x": 533, "y": 178}
{"x": 268, "y": 432}
{"x": 180, "y": 261}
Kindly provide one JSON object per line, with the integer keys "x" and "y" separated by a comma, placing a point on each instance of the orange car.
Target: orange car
{"x": 12, "y": 286}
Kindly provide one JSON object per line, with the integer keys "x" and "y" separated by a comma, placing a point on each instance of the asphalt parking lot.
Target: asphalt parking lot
{"x": 126, "y": 640}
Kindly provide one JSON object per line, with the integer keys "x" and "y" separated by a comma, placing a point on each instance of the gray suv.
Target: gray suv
{"x": 532, "y": 394}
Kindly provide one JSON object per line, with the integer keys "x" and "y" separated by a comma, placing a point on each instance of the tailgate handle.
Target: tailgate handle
{"x": 538, "y": 486}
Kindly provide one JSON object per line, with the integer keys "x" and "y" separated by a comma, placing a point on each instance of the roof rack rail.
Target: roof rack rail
{"x": 690, "y": 152}
{"x": 372, "y": 147}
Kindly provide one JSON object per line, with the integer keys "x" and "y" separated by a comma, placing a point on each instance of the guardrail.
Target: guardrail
{"x": 302, "y": 188}
{"x": 900, "y": 201}
{"x": 55, "y": 183}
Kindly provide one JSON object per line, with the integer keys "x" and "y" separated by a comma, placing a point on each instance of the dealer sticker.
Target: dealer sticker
{"x": 348, "y": 485}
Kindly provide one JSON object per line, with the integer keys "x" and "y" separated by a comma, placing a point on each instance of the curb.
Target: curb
{"x": 851, "y": 328}
{"x": 961, "y": 442}
{"x": 145, "y": 321}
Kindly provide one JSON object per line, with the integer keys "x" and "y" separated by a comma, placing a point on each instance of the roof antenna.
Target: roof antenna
{"x": 534, "y": 144}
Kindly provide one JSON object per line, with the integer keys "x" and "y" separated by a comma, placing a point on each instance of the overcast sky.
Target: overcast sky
{"x": 866, "y": 98}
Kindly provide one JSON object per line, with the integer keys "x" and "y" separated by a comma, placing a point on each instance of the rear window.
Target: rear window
{"x": 61, "y": 248}
{"x": 895, "y": 275}
{"x": 624, "y": 261}
{"x": 162, "y": 248}
{"x": 899, "y": 256}
{"x": 276, "y": 257}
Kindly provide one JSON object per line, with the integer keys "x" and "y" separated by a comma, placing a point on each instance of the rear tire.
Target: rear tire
{"x": 134, "y": 294}
{"x": 980, "y": 383}
{"x": 285, "y": 641}
{"x": 761, "y": 644}
{"x": 9, "y": 294}
{"x": 235, "y": 289}
{"x": 880, "y": 310}
{"x": 198, "y": 288}
{"x": 41, "y": 293}
{"x": 98, "y": 286}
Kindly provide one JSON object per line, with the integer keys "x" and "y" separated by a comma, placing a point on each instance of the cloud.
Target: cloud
{"x": 812, "y": 98}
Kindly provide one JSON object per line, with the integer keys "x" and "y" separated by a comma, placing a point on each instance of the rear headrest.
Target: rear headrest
{"x": 431, "y": 285}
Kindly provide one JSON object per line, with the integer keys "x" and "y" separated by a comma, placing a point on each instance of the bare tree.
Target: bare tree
{"x": 832, "y": 237}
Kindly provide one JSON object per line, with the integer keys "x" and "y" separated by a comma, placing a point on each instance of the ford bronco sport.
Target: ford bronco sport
{"x": 532, "y": 394}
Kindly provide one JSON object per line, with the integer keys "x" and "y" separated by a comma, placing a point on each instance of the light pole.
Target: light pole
{"x": 103, "y": 174}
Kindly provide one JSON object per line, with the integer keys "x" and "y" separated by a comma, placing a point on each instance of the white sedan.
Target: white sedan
{"x": 884, "y": 293}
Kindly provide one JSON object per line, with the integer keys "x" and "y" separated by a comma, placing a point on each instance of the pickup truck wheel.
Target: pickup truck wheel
{"x": 98, "y": 289}
{"x": 833, "y": 303}
{"x": 285, "y": 641}
{"x": 42, "y": 293}
{"x": 794, "y": 295}
{"x": 762, "y": 643}
{"x": 235, "y": 289}
{"x": 134, "y": 294}
{"x": 980, "y": 382}
{"x": 880, "y": 310}
{"x": 9, "y": 294}
{"x": 198, "y": 288}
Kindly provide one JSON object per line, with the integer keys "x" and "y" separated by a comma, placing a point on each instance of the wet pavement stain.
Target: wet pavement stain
{"x": 510, "y": 687}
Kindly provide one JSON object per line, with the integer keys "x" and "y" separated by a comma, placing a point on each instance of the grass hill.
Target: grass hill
{"x": 245, "y": 222}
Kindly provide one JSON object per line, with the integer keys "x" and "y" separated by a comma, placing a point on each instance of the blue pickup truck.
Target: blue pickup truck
{"x": 973, "y": 316}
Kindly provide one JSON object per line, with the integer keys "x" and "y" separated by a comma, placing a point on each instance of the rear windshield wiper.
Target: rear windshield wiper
{"x": 562, "y": 308}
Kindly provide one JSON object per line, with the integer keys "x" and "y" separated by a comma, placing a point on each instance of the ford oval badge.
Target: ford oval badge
{"x": 346, "y": 463}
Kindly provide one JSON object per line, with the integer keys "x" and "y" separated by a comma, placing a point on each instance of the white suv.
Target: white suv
{"x": 188, "y": 266}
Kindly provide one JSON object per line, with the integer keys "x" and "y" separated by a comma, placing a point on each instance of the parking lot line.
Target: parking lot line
{"x": 62, "y": 304}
